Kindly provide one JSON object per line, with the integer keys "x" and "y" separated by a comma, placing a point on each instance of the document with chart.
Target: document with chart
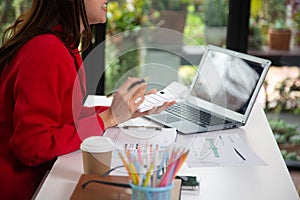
{"x": 211, "y": 150}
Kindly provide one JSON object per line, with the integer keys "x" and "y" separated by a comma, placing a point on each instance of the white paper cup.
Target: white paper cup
{"x": 96, "y": 154}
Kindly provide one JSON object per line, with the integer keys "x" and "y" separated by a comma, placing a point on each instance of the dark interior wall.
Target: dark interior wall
{"x": 95, "y": 65}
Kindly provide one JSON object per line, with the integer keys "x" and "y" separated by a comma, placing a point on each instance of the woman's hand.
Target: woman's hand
{"x": 124, "y": 105}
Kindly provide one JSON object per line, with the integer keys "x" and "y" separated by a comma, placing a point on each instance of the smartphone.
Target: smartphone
{"x": 189, "y": 182}
{"x": 156, "y": 100}
{"x": 173, "y": 92}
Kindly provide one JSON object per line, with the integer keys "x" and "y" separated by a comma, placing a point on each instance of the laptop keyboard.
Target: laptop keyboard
{"x": 199, "y": 117}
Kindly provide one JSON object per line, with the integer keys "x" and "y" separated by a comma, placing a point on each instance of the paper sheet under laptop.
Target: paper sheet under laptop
{"x": 216, "y": 149}
{"x": 133, "y": 136}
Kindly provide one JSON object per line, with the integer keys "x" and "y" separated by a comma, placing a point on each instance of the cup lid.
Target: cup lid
{"x": 97, "y": 144}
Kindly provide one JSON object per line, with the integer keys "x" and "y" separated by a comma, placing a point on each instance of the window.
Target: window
{"x": 10, "y": 10}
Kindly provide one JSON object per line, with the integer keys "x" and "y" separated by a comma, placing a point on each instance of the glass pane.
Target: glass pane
{"x": 155, "y": 38}
{"x": 273, "y": 33}
{"x": 274, "y": 25}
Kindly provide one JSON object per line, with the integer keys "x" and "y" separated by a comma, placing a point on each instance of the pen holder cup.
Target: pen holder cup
{"x": 151, "y": 193}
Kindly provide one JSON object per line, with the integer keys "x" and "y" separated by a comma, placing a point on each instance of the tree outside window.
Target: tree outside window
{"x": 10, "y": 10}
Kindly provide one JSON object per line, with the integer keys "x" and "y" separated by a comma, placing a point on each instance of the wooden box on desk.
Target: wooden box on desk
{"x": 107, "y": 192}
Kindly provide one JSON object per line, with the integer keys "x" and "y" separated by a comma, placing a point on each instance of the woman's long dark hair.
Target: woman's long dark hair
{"x": 42, "y": 18}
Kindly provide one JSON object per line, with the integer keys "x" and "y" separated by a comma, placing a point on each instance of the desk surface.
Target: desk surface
{"x": 262, "y": 182}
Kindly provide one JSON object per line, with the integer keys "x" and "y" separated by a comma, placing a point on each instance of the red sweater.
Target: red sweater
{"x": 41, "y": 114}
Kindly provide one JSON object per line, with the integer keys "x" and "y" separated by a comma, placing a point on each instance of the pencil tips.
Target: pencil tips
{"x": 152, "y": 165}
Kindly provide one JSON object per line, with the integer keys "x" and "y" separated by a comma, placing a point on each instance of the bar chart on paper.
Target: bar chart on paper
{"x": 212, "y": 150}
{"x": 139, "y": 140}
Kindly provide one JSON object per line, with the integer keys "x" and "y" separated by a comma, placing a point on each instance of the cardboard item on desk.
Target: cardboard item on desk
{"x": 96, "y": 154}
{"x": 108, "y": 192}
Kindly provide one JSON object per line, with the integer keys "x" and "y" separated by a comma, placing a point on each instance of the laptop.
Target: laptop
{"x": 221, "y": 95}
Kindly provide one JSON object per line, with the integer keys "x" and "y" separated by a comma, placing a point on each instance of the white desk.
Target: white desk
{"x": 271, "y": 182}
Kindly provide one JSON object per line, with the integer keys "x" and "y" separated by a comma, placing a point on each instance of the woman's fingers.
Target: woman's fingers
{"x": 159, "y": 109}
{"x": 134, "y": 89}
{"x": 127, "y": 98}
{"x": 137, "y": 94}
{"x": 153, "y": 91}
{"x": 131, "y": 83}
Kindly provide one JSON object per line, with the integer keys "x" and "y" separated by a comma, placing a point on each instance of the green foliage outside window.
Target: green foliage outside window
{"x": 287, "y": 137}
{"x": 194, "y": 26}
{"x": 10, "y": 10}
{"x": 215, "y": 12}
{"x": 170, "y": 4}
{"x": 124, "y": 21}
{"x": 274, "y": 10}
{"x": 287, "y": 98}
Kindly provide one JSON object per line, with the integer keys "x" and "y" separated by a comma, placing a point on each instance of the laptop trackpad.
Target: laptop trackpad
{"x": 171, "y": 119}
{"x": 185, "y": 126}
{"x": 181, "y": 125}
{"x": 166, "y": 118}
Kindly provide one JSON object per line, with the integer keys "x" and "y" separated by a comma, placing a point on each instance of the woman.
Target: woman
{"x": 41, "y": 101}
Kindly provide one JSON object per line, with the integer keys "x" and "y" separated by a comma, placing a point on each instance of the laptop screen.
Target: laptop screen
{"x": 227, "y": 80}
